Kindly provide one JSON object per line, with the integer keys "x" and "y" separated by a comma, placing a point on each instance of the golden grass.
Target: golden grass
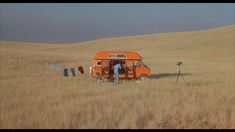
{"x": 33, "y": 96}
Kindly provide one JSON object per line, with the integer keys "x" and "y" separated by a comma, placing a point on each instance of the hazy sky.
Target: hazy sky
{"x": 76, "y": 22}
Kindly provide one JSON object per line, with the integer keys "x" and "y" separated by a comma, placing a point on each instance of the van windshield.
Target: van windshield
{"x": 144, "y": 64}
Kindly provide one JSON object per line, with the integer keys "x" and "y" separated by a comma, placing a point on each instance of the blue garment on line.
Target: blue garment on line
{"x": 73, "y": 71}
{"x": 66, "y": 72}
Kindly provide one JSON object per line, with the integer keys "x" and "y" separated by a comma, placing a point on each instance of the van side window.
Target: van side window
{"x": 137, "y": 63}
{"x": 98, "y": 63}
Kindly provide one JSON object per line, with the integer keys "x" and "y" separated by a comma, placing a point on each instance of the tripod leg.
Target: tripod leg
{"x": 177, "y": 77}
{"x": 183, "y": 78}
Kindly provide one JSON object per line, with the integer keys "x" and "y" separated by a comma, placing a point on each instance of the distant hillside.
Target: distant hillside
{"x": 33, "y": 95}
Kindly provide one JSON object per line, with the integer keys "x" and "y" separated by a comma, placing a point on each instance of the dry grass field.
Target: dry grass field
{"x": 34, "y": 96}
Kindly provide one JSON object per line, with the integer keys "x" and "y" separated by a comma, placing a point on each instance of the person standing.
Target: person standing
{"x": 116, "y": 72}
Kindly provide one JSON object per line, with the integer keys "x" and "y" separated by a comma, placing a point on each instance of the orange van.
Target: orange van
{"x": 131, "y": 65}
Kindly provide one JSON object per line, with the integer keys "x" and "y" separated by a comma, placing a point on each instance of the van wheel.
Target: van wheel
{"x": 98, "y": 77}
{"x": 142, "y": 77}
{"x": 104, "y": 79}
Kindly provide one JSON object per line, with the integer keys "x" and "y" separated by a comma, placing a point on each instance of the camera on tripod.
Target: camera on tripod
{"x": 179, "y": 63}
{"x": 179, "y": 72}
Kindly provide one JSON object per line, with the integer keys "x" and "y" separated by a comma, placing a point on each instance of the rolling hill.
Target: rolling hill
{"x": 34, "y": 96}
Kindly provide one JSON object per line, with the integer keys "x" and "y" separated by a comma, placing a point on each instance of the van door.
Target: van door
{"x": 138, "y": 68}
{"x": 129, "y": 64}
{"x": 105, "y": 67}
